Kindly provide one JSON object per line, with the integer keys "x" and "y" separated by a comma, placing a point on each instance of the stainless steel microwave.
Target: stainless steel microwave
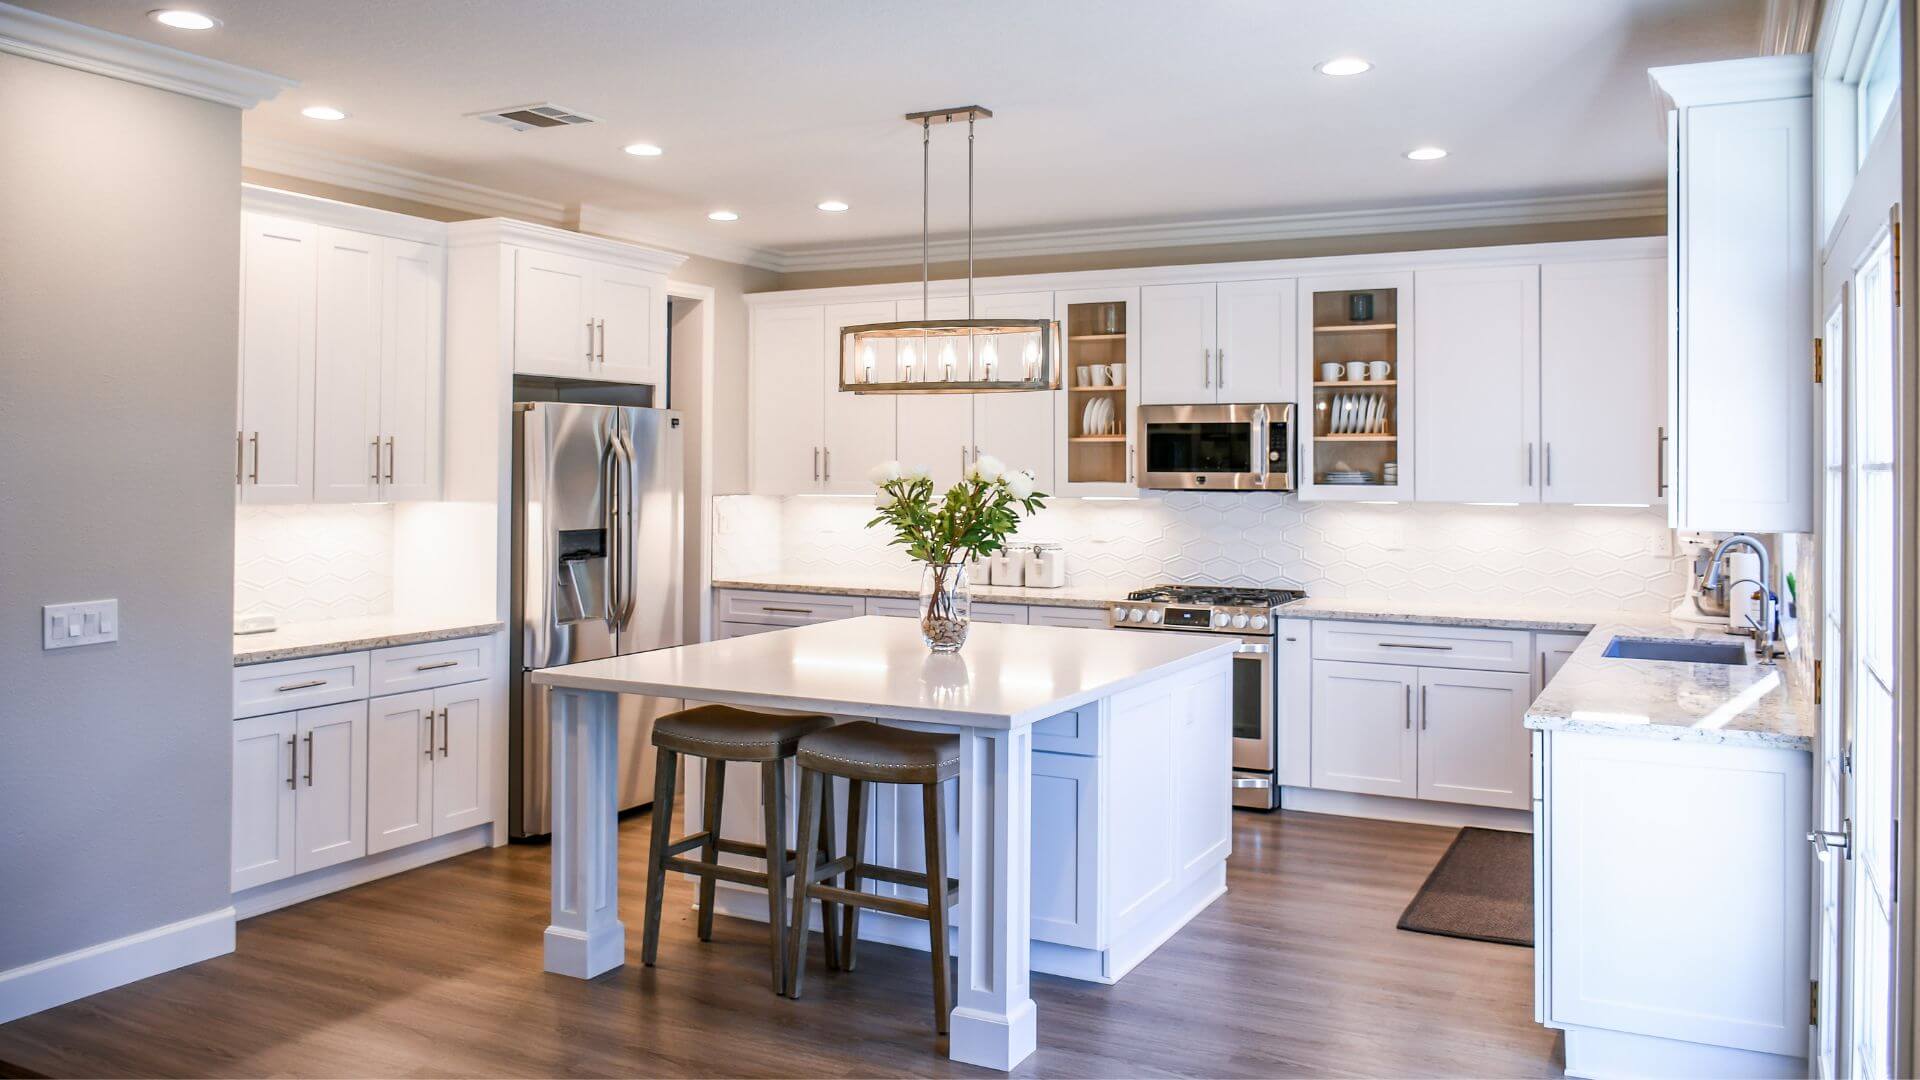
{"x": 1216, "y": 447}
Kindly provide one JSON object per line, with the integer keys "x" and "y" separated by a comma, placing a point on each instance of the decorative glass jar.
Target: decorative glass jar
{"x": 946, "y": 606}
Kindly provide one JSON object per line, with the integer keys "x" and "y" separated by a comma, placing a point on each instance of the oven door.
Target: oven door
{"x": 1253, "y": 708}
{"x": 1203, "y": 447}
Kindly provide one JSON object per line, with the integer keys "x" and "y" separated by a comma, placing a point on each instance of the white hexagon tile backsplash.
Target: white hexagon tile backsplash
{"x": 1579, "y": 557}
{"x": 304, "y": 563}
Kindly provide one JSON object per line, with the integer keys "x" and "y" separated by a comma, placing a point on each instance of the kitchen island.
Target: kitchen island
{"x": 1172, "y": 690}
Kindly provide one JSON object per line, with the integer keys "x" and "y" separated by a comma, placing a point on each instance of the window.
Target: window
{"x": 1879, "y": 81}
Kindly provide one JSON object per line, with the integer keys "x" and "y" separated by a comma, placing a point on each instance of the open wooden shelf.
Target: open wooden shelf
{"x": 1097, "y": 438}
{"x": 1349, "y": 384}
{"x": 1096, "y": 389}
{"x": 1353, "y": 328}
{"x": 1355, "y": 438}
{"x": 1096, "y": 337}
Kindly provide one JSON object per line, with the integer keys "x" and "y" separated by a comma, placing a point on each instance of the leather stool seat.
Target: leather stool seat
{"x": 864, "y": 750}
{"x": 732, "y": 734}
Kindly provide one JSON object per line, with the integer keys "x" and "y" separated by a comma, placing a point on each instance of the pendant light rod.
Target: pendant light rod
{"x": 926, "y": 132}
{"x": 969, "y": 215}
{"x": 926, "y": 120}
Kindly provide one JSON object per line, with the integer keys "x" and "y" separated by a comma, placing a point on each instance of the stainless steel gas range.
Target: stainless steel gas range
{"x": 1247, "y": 614}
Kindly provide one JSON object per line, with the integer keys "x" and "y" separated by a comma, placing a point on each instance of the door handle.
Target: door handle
{"x": 1529, "y": 464}
{"x": 1548, "y": 477}
{"x": 589, "y": 341}
{"x": 309, "y": 776}
{"x": 963, "y": 463}
{"x": 376, "y": 460}
{"x": 816, "y": 464}
{"x": 435, "y": 666}
{"x": 293, "y": 762}
{"x": 299, "y": 685}
{"x": 1220, "y": 368}
{"x": 1250, "y": 649}
{"x": 1412, "y": 645}
{"x": 826, "y": 471}
{"x": 1206, "y": 367}
{"x": 429, "y": 734}
{"x": 390, "y": 455}
{"x": 1841, "y": 840}
{"x": 1409, "y": 708}
{"x": 1660, "y": 461}
{"x": 1252, "y": 782}
{"x": 603, "y": 341}
{"x": 255, "y": 474}
{"x": 1423, "y": 708}
{"x": 446, "y": 732}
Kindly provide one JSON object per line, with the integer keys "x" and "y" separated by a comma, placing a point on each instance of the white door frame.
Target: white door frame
{"x": 702, "y": 390}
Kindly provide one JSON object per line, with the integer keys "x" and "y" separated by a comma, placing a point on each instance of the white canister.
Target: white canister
{"x": 1046, "y": 567}
{"x": 1009, "y": 565}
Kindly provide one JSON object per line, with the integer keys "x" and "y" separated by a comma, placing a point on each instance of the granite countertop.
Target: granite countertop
{"x": 1505, "y": 617}
{"x": 1750, "y": 705}
{"x": 324, "y": 637}
{"x": 891, "y": 585}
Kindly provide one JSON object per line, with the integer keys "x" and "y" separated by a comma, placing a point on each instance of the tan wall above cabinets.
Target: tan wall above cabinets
{"x": 1511, "y": 374}
{"x": 342, "y": 317}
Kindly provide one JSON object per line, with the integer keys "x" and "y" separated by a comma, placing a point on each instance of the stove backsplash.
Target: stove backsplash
{"x": 1549, "y": 556}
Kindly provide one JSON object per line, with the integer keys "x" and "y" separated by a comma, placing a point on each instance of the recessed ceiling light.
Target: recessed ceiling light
{"x": 1343, "y": 65}
{"x": 723, "y": 215}
{"x": 1426, "y": 153}
{"x": 322, "y": 112}
{"x": 643, "y": 149}
{"x": 832, "y": 206}
{"x": 182, "y": 19}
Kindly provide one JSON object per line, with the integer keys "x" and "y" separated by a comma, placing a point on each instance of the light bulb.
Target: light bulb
{"x": 866, "y": 362}
{"x": 947, "y": 361}
{"x": 907, "y": 358}
{"x": 1032, "y": 358}
{"x": 989, "y": 356}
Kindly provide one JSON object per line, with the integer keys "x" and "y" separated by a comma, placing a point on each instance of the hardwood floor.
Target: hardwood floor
{"x": 1297, "y": 971}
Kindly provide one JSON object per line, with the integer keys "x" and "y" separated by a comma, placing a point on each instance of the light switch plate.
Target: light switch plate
{"x": 90, "y": 622}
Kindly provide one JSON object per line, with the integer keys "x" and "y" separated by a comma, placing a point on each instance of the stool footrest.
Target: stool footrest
{"x": 736, "y": 874}
{"x": 834, "y": 894}
{"x": 896, "y": 876}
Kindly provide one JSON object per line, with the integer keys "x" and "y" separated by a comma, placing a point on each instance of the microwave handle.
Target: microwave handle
{"x": 1261, "y": 433}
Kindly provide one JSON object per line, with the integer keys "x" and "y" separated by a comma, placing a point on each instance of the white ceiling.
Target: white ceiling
{"x": 1107, "y": 111}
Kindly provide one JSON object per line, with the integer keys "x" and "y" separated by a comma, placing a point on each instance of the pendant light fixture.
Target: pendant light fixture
{"x": 949, "y": 356}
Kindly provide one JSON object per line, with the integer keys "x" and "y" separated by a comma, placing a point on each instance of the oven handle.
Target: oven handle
{"x": 1252, "y": 649}
{"x": 1252, "y": 782}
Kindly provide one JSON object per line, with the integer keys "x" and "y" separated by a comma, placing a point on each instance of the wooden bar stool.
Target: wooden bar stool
{"x": 719, "y": 734}
{"x": 864, "y": 753}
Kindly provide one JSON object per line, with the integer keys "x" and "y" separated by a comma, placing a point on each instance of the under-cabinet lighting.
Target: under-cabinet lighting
{"x": 182, "y": 19}
{"x": 1343, "y": 65}
{"x": 1109, "y": 498}
{"x": 322, "y": 112}
{"x": 1426, "y": 153}
{"x": 833, "y": 495}
{"x": 1618, "y": 506}
{"x": 1378, "y": 502}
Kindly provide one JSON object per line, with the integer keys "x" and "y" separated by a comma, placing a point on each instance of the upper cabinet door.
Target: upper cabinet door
{"x": 1746, "y": 401}
{"x": 786, "y": 385}
{"x": 1603, "y": 356}
{"x": 553, "y": 320}
{"x": 277, "y": 294}
{"x": 1257, "y": 342}
{"x": 1017, "y": 427}
{"x": 859, "y": 428}
{"x": 410, "y": 369}
{"x": 1477, "y": 430}
{"x": 347, "y": 454}
{"x": 934, "y": 430}
{"x": 1177, "y": 356}
{"x": 630, "y": 318}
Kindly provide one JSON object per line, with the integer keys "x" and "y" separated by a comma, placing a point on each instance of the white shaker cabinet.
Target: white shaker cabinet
{"x": 265, "y": 775}
{"x": 1550, "y": 654}
{"x": 1293, "y": 704}
{"x": 1603, "y": 358}
{"x": 412, "y": 355}
{"x": 1477, "y": 434}
{"x": 330, "y": 801}
{"x": 274, "y": 436}
{"x": 1017, "y": 427}
{"x": 400, "y": 749}
{"x": 1741, "y": 242}
{"x": 587, "y": 318}
{"x": 1473, "y": 746}
{"x": 462, "y": 769}
{"x": 630, "y": 316}
{"x": 788, "y": 381}
{"x": 1231, "y": 343}
{"x": 1177, "y": 344}
{"x": 857, "y": 429}
{"x": 1363, "y": 737}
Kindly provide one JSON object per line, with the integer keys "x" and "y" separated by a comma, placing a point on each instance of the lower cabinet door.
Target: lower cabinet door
{"x": 1363, "y": 737}
{"x": 1473, "y": 746}
{"x": 330, "y": 810}
{"x": 263, "y": 799}
{"x": 1065, "y": 843}
{"x": 400, "y": 761}
{"x": 462, "y": 784}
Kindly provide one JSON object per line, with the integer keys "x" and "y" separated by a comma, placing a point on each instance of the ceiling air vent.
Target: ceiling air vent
{"x": 529, "y": 117}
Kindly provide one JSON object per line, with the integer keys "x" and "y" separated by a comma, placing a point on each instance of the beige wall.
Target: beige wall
{"x": 119, "y": 289}
{"x": 1218, "y": 253}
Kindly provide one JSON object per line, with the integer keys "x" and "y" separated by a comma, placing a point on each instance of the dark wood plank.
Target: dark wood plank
{"x": 1297, "y": 971}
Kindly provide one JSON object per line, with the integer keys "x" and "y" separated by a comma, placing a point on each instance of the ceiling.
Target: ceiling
{"x": 1108, "y": 112}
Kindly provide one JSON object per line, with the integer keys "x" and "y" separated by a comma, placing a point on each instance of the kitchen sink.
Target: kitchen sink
{"x": 1731, "y": 653}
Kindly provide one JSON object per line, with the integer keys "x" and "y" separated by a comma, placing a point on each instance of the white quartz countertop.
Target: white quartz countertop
{"x": 1087, "y": 596}
{"x": 1749, "y": 704}
{"x": 324, "y": 637}
{"x": 1008, "y": 675}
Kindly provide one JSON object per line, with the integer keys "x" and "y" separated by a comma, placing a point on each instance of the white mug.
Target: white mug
{"x": 1356, "y": 370}
{"x": 1117, "y": 373}
{"x": 1083, "y": 376}
{"x": 1379, "y": 370}
{"x": 1101, "y": 375}
{"x": 1330, "y": 371}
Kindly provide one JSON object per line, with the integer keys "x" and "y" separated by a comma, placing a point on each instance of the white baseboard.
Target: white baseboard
{"x": 28, "y": 989}
{"x": 1417, "y": 811}
{"x": 275, "y": 895}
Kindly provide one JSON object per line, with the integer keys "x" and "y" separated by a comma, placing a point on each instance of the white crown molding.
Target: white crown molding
{"x": 365, "y": 219}
{"x": 494, "y": 231}
{"x": 363, "y": 174}
{"x": 638, "y": 229}
{"x": 1757, "y": 78}
{"x": 1239, "y": 230}
{"x": 37, "y": 36}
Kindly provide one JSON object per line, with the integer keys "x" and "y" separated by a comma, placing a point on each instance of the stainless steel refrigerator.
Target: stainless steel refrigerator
{"x": 598, "y": 513}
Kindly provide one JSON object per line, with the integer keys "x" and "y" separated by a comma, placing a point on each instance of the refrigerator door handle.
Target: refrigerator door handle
{"x": 611, "y": 491}
{"x": 629, "y": 528}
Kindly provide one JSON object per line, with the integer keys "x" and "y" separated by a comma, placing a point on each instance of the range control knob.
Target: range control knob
{"x": 1135, "y": 615}
{"x": 1259, "y": 622}
{"x": 1119, "y": 614}
{"x": 1220, "y": 618}
{"x": 1239, "y": 622}
{"x": 1153, "y": 615}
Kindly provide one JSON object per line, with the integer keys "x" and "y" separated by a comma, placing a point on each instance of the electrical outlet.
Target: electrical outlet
{"x": 91, "y": 622}
{"x": 1660, "y": 544}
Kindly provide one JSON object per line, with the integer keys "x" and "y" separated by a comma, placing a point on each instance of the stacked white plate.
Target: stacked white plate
{"x": 1358, "y": 414}
{"x": 1098, "y": 418}
{"x": 1353, "y": 477}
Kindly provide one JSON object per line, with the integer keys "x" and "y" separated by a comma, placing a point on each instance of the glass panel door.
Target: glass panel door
{"x": 1829, "y": 808}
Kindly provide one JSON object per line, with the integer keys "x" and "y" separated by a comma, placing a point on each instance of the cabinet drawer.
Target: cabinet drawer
{"x": 430, "y": 664}
{"x": 788, "y": 609}
{"x": 1048, "y": 615}
{"x": 902, "y": 608}
{"x": 1076, "y": 731}
{"x": 285, "y": 685}
{"x": 1423, "y": 646}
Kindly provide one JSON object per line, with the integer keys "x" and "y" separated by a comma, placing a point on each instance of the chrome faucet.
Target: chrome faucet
{"x": 1763, "y": 629}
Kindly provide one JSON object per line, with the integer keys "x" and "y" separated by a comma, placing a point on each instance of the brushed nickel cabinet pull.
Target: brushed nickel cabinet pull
{"x": 589, "y": 341}
{"x": 255, "y": 475}
{"x": 603, "y": 341}
{"x": 446, "y": 732}
{"x": 816, "y": 464}
{"x": 299, "y": 685}
{"x": 1660, "y": 461}
{"x": 376, "y": 460}
{"x": 1206, "y": 367}
{"x": 788, "y": 610}
{"x": 826, "y": 452}
{"x": 429, "y": 734}
{"x": 309, "y": 776}
{"x": 1529, "y": 464}
{"x": 436, "y": 665}
{"x": 293, "y": 760}
{"x": 1220, "y": 368}
{"x": 390, "y": 441}
{"x": 1409, "y": 709}
{"x": 1423, "y": 708}
{"x": 1549, "y": 465}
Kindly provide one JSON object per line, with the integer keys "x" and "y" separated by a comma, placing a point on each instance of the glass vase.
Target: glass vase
{"x": 945, "y": 606}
